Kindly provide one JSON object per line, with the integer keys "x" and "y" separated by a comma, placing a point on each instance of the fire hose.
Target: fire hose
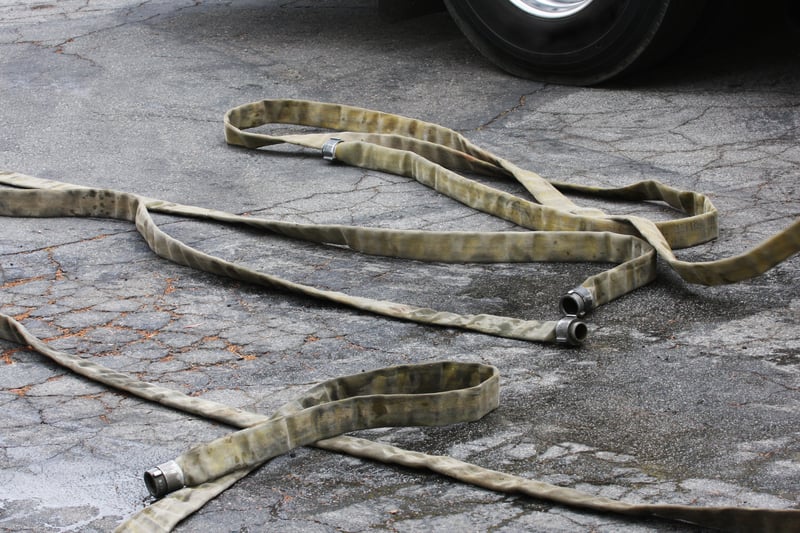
{"x": 434, "y": 394}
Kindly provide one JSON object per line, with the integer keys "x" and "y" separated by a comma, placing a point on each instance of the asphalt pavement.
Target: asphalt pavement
{"x": 681, "y": 394}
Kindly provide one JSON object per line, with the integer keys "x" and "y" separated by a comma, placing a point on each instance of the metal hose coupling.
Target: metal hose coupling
{"x": 163, "y": 479}
{"x": 329, "y": 149}
{"x": 577, "y": 302}
{"x": 571, "y": 331}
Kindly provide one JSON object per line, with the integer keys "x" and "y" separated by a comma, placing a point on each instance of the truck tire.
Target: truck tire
{"x": 576, "y": 42}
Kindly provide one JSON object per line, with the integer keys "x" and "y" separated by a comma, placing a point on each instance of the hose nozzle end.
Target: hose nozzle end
{"x": 577, "y": 302}
{"x": 163, "y": 479}
{"x": 571, "y": 331}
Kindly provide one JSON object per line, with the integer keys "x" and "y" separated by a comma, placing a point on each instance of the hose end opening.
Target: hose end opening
{"x": 571, "y": 331}
{"x": 163, "y": 479}
{"x": 577, "y": 302}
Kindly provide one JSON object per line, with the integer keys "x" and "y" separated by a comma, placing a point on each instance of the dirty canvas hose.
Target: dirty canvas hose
{"x": 427, "y": 394}
{"x": 35, "y": 197}
{"x": 560, "y": 230}
{"x": 432, "y": 154}
{"x": 433, "y": 394}
{"x": 476, "y": 397}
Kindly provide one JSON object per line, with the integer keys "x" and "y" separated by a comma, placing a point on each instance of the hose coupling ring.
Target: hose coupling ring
{"x": 163, "y": 479}
{"x": 329, "y": 149}
{"x": 571, "y": 331}
{"x": 577, "y": 302}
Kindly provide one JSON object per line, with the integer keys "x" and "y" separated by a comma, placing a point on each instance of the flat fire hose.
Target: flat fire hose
{"x": 433, "y": 394}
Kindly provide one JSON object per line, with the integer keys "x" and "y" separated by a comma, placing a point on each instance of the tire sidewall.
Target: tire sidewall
{"x": 593, "y": 44}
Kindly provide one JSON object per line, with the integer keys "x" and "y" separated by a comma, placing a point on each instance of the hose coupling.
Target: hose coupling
{"x": 329, "y": 149}
{"x": 163, "y": 479}
{"x": 577, "y": 302}
{"x": 571, "y": 331}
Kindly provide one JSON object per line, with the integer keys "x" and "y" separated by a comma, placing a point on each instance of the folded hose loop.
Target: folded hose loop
{"x": 334, "y": 117}
{"x": 700, "y": 223}
{"x": 412, "y": 395}
{"x": 552, "y": 212}
{"x": 381, "y": 127}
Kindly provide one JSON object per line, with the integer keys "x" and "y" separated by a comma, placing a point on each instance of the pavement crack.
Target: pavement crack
{"x": 519, "y": 105}
{"x": 49, "y": 248}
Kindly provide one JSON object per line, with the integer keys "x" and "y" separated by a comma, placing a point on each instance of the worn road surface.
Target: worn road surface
{"x": 682, "y": 393}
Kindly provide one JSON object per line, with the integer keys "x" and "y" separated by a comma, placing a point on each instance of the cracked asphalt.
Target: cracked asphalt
{"x": 682, "y": 393}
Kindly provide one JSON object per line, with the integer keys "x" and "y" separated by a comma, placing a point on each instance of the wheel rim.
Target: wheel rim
{"x": 551, "y": 9}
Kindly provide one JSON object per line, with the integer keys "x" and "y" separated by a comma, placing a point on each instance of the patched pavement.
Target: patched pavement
{"x": 681, "y": 394}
